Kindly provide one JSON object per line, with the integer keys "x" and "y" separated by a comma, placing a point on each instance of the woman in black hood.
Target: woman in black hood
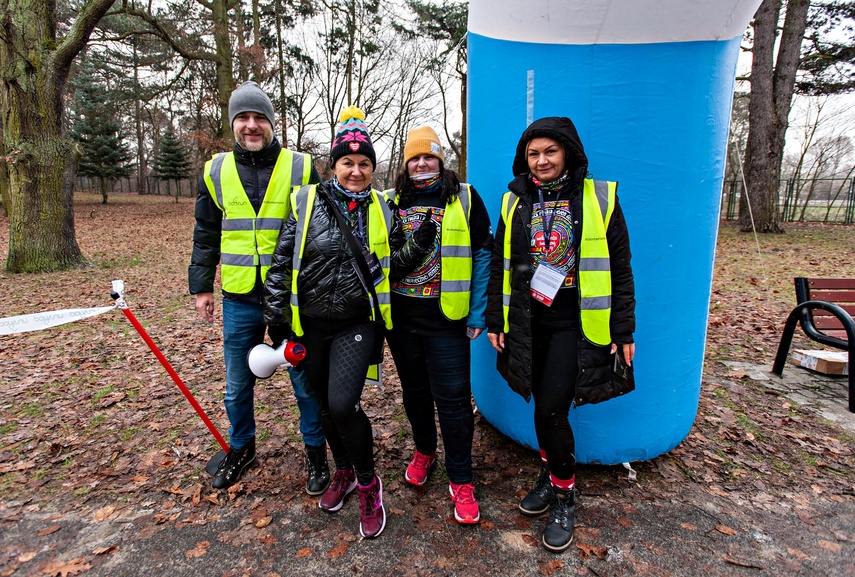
{"x": 561, "y": 304}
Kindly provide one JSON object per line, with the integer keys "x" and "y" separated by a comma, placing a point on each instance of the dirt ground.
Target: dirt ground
{"x": 101, "y": 458}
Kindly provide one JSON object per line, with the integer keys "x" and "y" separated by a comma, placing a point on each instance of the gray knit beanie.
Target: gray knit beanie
{"x": 249, "y": 97}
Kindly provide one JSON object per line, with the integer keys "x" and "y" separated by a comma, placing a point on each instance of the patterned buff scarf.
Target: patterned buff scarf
{"x": 349, "y": 202}
{"x": 554, "y": 186}
{"x": 427, "y": 184}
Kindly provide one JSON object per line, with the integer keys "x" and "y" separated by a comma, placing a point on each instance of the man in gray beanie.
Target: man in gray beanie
{"x": 240, "y": 208}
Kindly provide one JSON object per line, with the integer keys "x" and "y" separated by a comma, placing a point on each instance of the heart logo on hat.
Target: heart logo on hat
{"x": 354, "y": 146}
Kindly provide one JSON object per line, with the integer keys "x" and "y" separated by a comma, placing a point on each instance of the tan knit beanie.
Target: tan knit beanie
{"x": 422, "y": 140}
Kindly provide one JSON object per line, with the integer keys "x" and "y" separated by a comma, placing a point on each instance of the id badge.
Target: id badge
{"x": 545, "y": 283}
{"x": 374, "y": 269}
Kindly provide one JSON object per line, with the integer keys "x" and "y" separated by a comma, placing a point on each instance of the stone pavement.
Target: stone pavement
{"x": 826, "y": 395}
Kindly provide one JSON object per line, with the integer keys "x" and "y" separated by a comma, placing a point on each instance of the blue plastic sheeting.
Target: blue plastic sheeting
{"x": 655, "y": 118}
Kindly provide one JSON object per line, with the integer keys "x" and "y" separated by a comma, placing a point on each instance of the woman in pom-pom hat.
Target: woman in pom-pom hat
{"x": 334, "y": 257}
{"x": 437, "y": 308}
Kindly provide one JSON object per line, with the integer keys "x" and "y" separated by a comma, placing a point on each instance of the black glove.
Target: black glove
{"x": 278, "y": 334}
{"x": 426, "y": 233}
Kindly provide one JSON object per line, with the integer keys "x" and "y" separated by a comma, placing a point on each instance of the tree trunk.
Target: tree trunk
{"x": 463, "y": 128}
{"x": 42, "y": 164}
{"x": 772, "y": 87}
{"x": 225, "y": 83}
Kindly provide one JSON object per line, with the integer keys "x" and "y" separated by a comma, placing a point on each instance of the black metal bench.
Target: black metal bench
{"x": 824, "y": 310}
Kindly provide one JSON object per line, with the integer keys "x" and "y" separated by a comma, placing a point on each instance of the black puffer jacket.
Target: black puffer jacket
{"x": 593, "y": 383}
{"x": 328, "y": 286}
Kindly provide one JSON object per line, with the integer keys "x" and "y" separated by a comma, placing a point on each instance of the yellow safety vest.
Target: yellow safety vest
{"x": 379, "y": 226}
{"x": 248, "y": 239}
{"x": 455, "y": 251}
{"x": 595, "y": 281}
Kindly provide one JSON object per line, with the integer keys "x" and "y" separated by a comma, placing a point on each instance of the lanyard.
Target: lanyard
{"x": 360, "y": 225}
{"x": 547, "y": 222}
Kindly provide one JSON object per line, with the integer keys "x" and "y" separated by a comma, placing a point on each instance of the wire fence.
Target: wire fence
{"x": 153, "y": 185}
{"x": 801, "y": 200}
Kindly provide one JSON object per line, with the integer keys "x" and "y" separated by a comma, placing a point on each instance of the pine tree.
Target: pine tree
{"x": 171, "y": 161}
{"x": 98, "y": 131}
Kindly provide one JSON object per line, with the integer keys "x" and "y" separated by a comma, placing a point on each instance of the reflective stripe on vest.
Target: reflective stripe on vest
{"x": 455, "y": 251}
{"x": 249, "y": 239}
{"x": 379, "y": 225}
{"x": 595, "y": 284}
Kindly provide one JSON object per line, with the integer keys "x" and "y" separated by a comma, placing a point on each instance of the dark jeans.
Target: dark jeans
{"x": 336, "y": 364}
{"x": 435, "y": 371}
{"x": 243, "y": 328}
{"x": 555, "y": 366}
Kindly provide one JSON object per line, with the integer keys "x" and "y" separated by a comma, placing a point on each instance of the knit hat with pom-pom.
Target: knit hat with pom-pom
{"x": 351, "y": 136}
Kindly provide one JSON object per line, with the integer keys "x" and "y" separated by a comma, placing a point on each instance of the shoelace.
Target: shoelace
{"x": 465, "y": 494}
{"x": 371, "y": 500}
{"x": 422, "y": 461}
{"x": 340, "y": 480}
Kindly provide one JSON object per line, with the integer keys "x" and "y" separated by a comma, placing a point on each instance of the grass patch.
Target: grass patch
{"x": 9, "y": 427}
{"x": 103, "y": 392}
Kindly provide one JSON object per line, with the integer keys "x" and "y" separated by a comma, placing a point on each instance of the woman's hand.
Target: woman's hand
{"x": 628, "y": 352}
{"x": 473, "y": 333}
{"x": 497, "y": 340}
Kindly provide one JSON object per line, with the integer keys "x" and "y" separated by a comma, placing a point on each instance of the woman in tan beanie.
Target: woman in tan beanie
{"x": 436, "y": 310}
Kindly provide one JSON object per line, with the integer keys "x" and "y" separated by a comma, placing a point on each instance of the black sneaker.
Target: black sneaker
{"x": 558, "y": 532}
{"x": 233, "y": 466}
{"x": 317, "y": 470}
{"x": 538, "y": 499}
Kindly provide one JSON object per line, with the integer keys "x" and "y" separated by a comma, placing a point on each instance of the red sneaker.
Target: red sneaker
{"x": 465, "y": 506}
{"x": 372, "y": 515}
{"x": 343, "y": 483}
{"x": 419, "y": 469}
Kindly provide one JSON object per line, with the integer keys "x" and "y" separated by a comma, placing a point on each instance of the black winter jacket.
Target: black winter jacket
{"x": 328, "y": 286}
{"x": 593, "y": 381}
{"x": 254, "y": 170}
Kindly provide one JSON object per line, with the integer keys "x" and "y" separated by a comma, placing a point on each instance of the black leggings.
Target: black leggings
{"x": 555, "y": 366}
{"x": 336, "y": 363}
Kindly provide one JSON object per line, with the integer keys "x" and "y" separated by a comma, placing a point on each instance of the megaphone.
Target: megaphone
{"x": 263, "y": 360}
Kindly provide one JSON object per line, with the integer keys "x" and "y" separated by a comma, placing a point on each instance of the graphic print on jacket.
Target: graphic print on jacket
{"x": 424, "y": 280}
{"x": 562, "y": 252}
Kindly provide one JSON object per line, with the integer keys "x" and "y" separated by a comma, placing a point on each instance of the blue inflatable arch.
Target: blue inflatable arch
{"x": 649, "y": 85}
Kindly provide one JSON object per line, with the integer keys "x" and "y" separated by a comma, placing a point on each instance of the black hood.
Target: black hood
{"x": 562, "y": 130}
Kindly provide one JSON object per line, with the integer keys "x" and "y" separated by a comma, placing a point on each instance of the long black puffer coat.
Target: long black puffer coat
{"x": 329, "y": 288}
{"x": 594, "y": 380}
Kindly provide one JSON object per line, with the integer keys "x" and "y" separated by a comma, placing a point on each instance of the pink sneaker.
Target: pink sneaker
{"x": 419, "y": 469}
{"x": 372, "y": 515}
{"x": 465, "y": 506}
{"x": 343, "y": 483}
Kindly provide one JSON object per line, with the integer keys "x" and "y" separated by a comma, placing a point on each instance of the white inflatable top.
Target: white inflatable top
{"x": 610, "y": 21}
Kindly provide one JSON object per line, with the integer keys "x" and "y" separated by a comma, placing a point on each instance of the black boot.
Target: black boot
{"x": 538, "y": 499}
{"x": 232, "y": 467}
{"x": 558, "y": 532}
{"x": 317, "y": 470}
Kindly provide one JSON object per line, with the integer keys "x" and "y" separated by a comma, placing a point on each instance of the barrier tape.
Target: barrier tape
{"x": 46, "y": 320}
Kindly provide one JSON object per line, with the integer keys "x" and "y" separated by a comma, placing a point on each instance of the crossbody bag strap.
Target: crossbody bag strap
{"x": 356, "y": 249}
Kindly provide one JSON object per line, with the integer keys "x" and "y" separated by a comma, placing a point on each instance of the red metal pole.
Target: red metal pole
{"x": 175, "y": 377}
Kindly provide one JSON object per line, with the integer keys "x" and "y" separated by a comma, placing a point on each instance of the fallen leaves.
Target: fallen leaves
{"x": 66, "y": 568}
{"x": 724, "y": 529}
{"x": 200, "y": 549}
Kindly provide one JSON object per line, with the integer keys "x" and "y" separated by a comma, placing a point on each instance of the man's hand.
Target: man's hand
{"x": 205, "y": 306}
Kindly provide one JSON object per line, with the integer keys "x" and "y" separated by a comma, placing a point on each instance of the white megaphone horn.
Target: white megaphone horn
{"x": 263, "y": 360}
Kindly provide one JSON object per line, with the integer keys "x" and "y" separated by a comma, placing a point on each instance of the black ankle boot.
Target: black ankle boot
{"x": 558, "y": 532}
{"x": 233, "y": 466}
{"x": 538, "y": 499}
{"x": 317, "y": 470}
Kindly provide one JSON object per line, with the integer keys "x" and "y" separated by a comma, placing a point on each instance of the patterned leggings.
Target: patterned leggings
{"x": 336, "y": 363}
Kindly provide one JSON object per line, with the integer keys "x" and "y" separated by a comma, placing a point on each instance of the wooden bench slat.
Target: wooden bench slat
{"x": 822, "y": 313}
{"x": 832, "y": 283}
{"x": 833, "y": 296}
